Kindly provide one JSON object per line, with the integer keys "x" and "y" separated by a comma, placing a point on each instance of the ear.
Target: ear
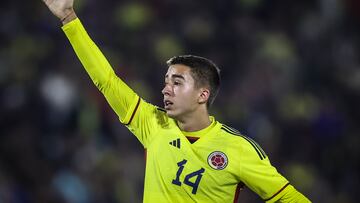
{"x": 204, "y": 95}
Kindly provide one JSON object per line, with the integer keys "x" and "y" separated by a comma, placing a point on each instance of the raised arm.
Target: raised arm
{"x": 120, "y": 97}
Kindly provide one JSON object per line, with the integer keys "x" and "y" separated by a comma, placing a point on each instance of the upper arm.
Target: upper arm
{"x": 146, "y": 120}
{"x": 257, "y": 173}
{"x": 143, "y": 119}
{"x": 122, "y": 99}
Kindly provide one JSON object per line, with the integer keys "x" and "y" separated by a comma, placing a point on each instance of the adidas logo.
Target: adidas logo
{"x": 175, "y": 143}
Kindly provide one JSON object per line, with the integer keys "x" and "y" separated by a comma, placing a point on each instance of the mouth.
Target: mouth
{"x": 167, "y": 104}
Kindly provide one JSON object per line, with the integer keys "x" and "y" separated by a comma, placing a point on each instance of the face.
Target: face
{"x": 181, "y": 97}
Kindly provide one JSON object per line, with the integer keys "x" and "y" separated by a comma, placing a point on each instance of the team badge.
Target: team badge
{"x": 217, "y": 160}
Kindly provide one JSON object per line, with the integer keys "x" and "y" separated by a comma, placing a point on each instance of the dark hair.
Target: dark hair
{"x": 204, "y": 72}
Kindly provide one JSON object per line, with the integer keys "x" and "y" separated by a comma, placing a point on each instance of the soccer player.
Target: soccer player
{"x": 191, "y": 157}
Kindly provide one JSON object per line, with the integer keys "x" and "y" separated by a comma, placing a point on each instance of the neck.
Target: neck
{"x": 195, "y": 122}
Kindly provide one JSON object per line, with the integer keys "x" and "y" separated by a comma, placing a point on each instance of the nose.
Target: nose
{"x": 166, "y": 91}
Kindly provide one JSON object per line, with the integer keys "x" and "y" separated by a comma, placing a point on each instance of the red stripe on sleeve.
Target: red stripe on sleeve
{"x": 132, "y": 115}
{"x": 277, "y": 192}
{"x": 239, "y": 187}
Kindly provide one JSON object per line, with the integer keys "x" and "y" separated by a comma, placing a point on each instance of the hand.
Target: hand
{"x": 63, "y": 9}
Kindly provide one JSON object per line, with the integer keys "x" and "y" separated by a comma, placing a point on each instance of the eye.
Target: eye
{"x": 177, "y": 83}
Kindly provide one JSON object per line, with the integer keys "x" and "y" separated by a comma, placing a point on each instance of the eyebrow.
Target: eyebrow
{"x": 175, "y": 76}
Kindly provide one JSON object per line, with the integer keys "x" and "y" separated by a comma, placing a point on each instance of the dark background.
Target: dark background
{"x": 291, "y": 81}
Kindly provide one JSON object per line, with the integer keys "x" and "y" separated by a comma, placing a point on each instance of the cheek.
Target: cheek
{"x": 187, "y": 94}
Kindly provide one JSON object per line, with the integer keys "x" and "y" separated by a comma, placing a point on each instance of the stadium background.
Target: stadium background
{"x": 291, "y": 80}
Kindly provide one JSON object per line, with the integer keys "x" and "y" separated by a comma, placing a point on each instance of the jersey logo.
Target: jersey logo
{"x": 175, "y": 143}
{"x": 217, "y": 160}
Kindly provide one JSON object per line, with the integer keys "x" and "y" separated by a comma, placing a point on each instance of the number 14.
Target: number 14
{"x": 197, "y": 173}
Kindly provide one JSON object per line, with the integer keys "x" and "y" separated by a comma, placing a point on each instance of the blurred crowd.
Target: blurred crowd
{"x": 290, "y": 80}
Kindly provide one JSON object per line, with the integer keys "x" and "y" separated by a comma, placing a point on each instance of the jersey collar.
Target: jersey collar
{"x": 202, "y": 132}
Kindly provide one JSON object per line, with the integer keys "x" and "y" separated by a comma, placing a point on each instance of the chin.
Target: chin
{"x": 171, "y": 114}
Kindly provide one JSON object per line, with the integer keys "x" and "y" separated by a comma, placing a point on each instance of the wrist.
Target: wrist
{"x": 69, "y": 17}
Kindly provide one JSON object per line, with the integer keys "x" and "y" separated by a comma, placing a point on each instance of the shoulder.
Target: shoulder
{"x": 160, "y": 114}
{"x": 161, "y": 117}
{"x": 230, "y": 130}
{"x": 149, "y": 108}
{"x": 247, "y": 144}
{"x": 149, "y": 112}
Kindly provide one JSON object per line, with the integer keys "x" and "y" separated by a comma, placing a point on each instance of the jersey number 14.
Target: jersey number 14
{"x": 197, "y": 174}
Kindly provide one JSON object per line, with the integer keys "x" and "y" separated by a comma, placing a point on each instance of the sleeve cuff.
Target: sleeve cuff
{"x": 69, "y": 27}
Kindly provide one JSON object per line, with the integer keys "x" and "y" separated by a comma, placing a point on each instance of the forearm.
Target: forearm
{"x": 120, "y": 97}
{"x": 88, "y": 53}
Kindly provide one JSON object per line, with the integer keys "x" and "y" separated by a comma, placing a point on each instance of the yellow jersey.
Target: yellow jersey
{"x": 211, "y": 169}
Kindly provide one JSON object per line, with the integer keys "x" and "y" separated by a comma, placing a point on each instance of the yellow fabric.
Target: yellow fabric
{"x": 176, "y": 170}
{"x": 289, "y": 194}
{"x": 120, "y": 97}
{"x": 201, "y": 132}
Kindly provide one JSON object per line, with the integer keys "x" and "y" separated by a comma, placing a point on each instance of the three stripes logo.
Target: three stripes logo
{"x": 256, "y": 146}
{"x": 175, "y": 143}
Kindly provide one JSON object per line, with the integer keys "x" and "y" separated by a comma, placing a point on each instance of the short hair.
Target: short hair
{"x": 204, "y": 72}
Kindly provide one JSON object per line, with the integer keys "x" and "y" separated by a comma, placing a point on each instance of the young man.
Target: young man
{"x": 191, "y": 157}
